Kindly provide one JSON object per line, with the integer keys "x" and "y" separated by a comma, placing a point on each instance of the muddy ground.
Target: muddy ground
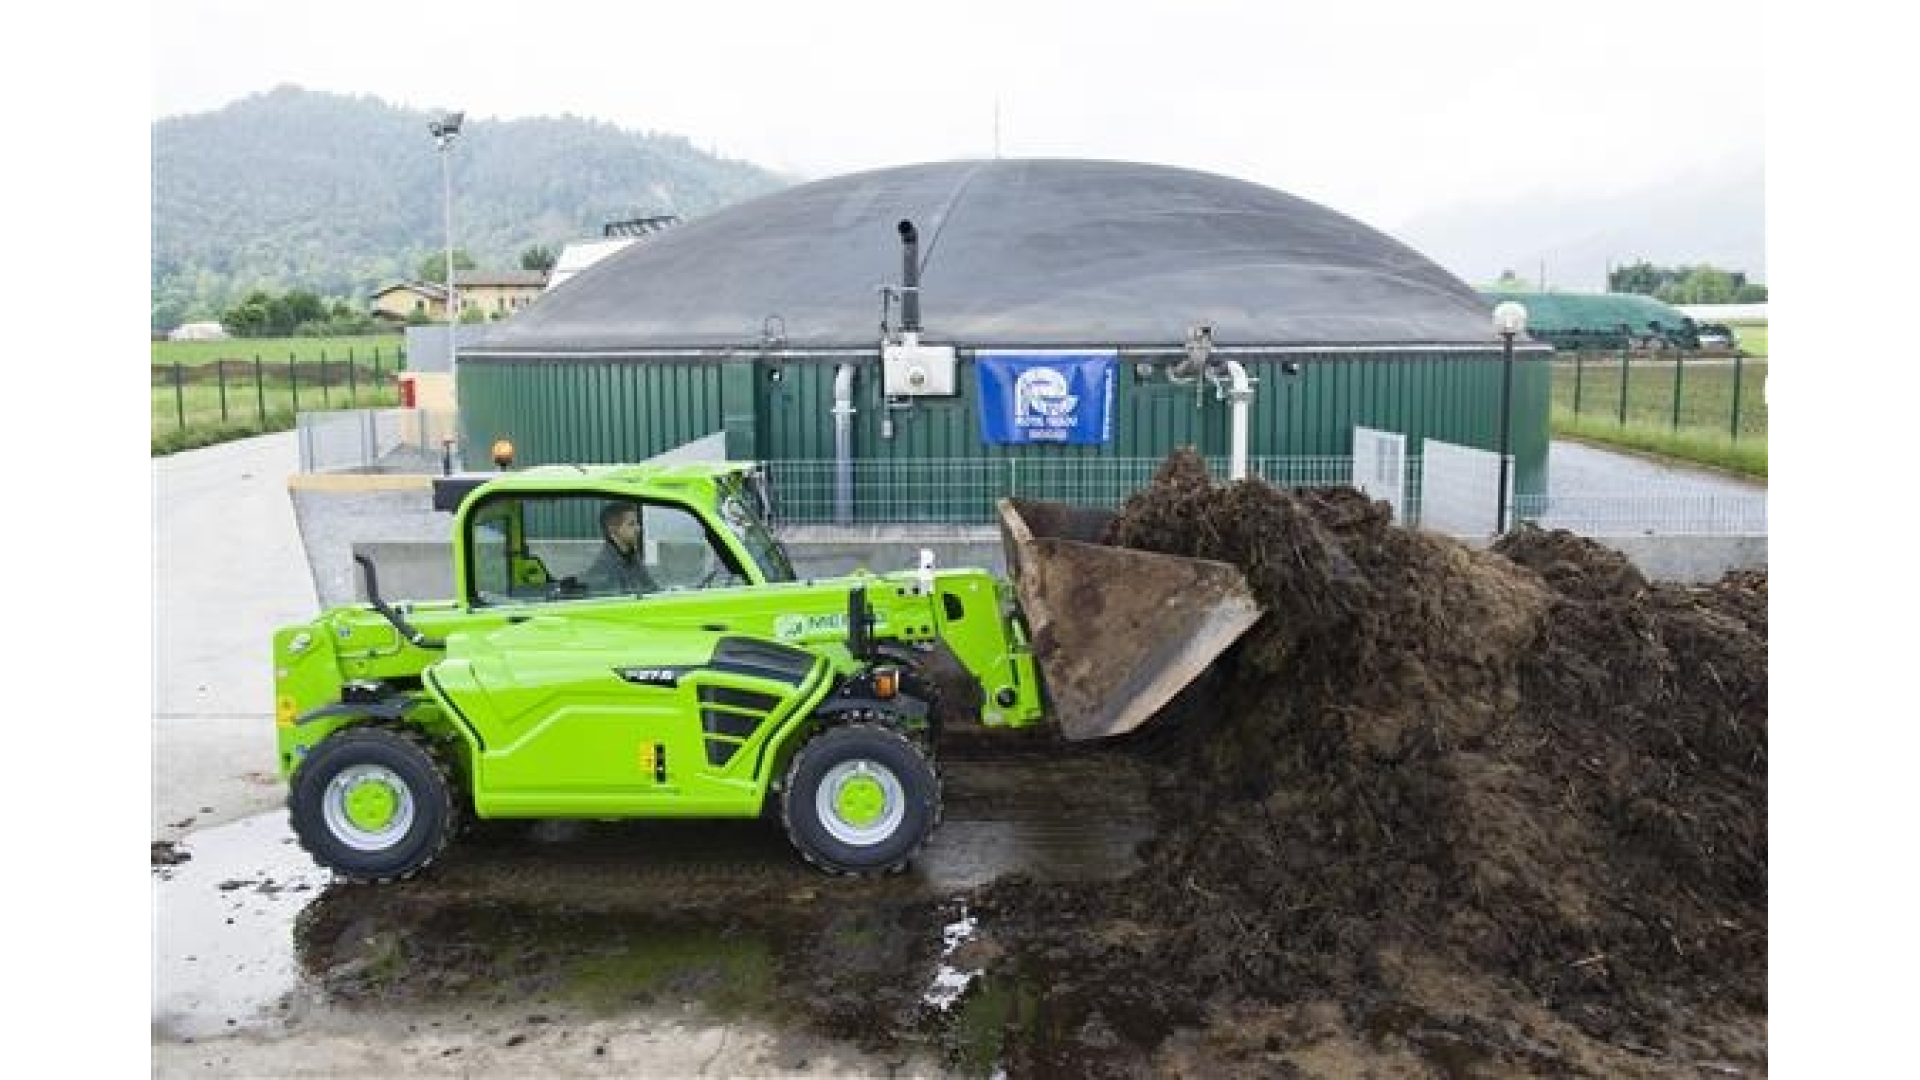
{"x": 1443, "y": 812}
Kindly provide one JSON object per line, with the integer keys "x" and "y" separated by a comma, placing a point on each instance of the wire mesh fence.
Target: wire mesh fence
{"x": 966, "y": 491}
{"x": 376, "y": 440}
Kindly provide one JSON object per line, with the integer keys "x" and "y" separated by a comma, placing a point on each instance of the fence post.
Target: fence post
{"x": 353, "y": 392}
{"x": 179, "y": 395}
{"x": 293, "y": 376}
{"x": 1625, "y": 351}
{"x": 1578, "y": 371}
{"x": 376, "y": 365}
{"x": 1735, "y": 434}
{"x": 260, "y": 389}
{"x": 1678, "y": 357}
{"x": 326, "y": 402}
{"x": 220, "y": 372}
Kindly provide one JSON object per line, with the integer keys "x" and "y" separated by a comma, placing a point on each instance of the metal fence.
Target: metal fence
{"x": 891, "y": 493}
{"x": 376, "y": 440}
{"x": 1676, "y": 513}
{"x": 258, "y": 390}
{"x": 1724, "y": 395}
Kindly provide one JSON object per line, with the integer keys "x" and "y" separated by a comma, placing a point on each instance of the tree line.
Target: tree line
{"x": 298, "y": 313}
{"x": 1701, "y": 284}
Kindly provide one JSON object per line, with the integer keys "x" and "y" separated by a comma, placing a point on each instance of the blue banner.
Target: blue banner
{"x": 1035, "y": 397}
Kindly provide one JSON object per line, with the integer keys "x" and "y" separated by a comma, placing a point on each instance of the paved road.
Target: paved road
{"x": 228, "y": 568}
{"x": 1603, "y": 493}
{"x": 1574, "y": 469}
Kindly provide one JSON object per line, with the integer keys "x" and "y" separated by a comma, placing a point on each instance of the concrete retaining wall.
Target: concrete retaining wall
{"x": 390, "y": 519}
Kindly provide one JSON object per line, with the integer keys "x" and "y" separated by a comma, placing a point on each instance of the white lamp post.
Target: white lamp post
{"x": 1509, "y": 320}
{"x": 444, "y": 129}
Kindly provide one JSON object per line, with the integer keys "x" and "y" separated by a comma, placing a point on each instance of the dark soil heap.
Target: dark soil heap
{"x": 1432, "y": 771}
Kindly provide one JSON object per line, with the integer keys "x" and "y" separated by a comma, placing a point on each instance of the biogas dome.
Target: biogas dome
{"x": 908, "y": 344}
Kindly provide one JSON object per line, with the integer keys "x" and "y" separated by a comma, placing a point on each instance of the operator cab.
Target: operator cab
{"x": 547, "y": 542}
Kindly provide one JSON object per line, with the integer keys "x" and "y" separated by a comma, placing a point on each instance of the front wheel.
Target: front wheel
{"x": 372, "y": 804}
{"x": 860, "y": 799}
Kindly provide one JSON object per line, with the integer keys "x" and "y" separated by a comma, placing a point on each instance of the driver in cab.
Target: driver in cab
{"x": 619, "y": 567}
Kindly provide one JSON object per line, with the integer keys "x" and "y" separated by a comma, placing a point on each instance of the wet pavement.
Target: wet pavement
{"x": 564, "y": 921}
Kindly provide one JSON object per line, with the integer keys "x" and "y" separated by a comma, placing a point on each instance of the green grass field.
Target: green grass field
{"x": 1752, "y": 336}
{"x": 1702, "y": 428}
{"x": 362, "y": 349}
{"x": 200, "y": 413}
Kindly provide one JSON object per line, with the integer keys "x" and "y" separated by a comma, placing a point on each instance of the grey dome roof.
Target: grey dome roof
{"x": 1013, "y": 253}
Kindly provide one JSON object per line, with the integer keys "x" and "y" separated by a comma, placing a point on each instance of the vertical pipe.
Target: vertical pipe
{"x": 260, "y": 388}
{"x": 1578, "y": 371}
{"x": 326, "y": 402}
{"x": 220, "y": 372}
{"x": 1239, "y": 399}
{"x": 293, "y": 377}
{"x": 353, "y": 393}
{"x": 909, "y": 279}
{"x": 843, "y": 445}
{"x": 180, "y": 395}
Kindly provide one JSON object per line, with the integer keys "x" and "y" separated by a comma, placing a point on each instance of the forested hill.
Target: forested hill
{"x": 338, "y": 195}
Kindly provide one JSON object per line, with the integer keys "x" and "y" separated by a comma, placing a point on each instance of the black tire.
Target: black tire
{"x": 860, "y": 800}
{"x": 373, "y": 804}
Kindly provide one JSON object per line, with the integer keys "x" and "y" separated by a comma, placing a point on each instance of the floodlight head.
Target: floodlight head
{"x": 1509, "y": 317}
{"x": 447, "y": 124}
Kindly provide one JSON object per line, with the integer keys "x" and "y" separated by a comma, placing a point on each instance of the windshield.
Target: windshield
{"x": 747, "y": 527}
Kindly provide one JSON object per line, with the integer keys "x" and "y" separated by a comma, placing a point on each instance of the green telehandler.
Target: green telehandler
{"x": 717, "y": 683}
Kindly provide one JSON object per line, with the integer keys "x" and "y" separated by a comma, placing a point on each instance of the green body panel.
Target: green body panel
{"x": 562, "y": 734}
{"x": 682, "y": 703}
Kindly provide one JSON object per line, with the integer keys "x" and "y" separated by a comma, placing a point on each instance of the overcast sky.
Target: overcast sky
{"x": 1380, "y": 110}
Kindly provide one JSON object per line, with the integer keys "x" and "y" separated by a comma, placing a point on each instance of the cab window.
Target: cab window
{"x": 541, "y": 548}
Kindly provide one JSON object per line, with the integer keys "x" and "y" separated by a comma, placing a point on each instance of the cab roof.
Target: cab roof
{"x": 449, "y": 492}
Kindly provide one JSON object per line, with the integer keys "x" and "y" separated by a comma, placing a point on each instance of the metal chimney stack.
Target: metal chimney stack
{"x": 909, "y": 280}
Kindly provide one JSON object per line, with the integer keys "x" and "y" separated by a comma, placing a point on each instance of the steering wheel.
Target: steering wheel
{"x": 715, "y": 572}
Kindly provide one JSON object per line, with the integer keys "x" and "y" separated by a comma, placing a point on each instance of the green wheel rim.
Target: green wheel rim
{"x": 368, "y": 807}
{"x": 860, "y": 802}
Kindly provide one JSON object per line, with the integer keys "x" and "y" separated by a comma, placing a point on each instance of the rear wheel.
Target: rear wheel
{"x": 860, "y": 799}
{"x": 373, "y": 804}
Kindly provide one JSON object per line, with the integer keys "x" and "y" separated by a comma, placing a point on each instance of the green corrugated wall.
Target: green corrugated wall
{"x": 626, "y": 410}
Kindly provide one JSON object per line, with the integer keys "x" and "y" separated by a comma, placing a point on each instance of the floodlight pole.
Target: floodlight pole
{"x": 444, "y": 130}
{"x": 1509, "y": 318}
{"x": 1506, "y": 420}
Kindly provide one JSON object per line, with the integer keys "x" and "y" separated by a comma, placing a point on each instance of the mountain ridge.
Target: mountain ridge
{"x": 338, "y": 194}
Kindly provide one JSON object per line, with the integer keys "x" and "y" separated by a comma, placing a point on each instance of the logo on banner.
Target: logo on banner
{"x": 1041, "y": 399}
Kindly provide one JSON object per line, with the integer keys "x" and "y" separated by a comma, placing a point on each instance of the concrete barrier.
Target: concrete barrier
{"x": 390, "y": 520}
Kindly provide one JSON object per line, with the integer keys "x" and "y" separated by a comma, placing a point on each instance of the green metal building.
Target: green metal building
{"x": 848, "y": 332}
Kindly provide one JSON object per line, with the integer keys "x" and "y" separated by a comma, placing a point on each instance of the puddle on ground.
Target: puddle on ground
{"x": 601, "y": 917}
{"x": 223, "y": 958}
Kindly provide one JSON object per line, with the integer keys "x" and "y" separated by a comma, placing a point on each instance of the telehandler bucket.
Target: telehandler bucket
{"x": 1116, "y": 632}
